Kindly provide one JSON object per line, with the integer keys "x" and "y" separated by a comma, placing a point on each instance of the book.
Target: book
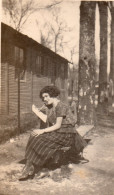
{"x": 40, "y": 114}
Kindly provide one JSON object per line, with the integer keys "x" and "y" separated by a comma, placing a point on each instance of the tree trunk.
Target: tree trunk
{"x": 103, "y": 47}
{"x": 87, "y": 63}
{"x": 112, "y": 55}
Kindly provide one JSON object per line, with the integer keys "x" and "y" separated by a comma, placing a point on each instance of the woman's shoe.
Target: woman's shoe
{"x": 26, "y": 177}
{"x": 28, "y": 173}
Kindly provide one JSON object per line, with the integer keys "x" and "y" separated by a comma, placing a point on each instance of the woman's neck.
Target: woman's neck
{"x": 55, "y": 102}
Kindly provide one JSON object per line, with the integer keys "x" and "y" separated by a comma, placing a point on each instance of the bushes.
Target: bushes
{"x": 9, "y": 125}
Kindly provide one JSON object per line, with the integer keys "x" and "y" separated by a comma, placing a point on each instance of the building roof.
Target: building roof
{"x": 14, "y": 36}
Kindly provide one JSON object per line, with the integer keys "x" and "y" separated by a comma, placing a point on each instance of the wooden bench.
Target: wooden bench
{"x": 82, "y": 130}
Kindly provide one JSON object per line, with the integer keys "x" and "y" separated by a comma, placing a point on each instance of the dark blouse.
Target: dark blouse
{"x": 61, "y": 110}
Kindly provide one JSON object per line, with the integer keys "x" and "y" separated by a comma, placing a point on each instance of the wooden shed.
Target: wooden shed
{"x": 26, "y": 67}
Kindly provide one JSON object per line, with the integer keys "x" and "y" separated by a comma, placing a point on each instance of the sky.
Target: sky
{"x": 69, "y": 13}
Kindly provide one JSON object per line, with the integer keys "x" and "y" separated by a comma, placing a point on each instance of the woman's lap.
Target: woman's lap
{"x": 41, "y": 148}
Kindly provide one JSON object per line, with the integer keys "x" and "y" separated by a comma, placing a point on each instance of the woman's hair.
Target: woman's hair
{"x": 53, "y": 91}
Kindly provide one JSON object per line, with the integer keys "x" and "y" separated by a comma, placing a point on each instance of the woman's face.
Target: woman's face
{"x": 47, "y": 99}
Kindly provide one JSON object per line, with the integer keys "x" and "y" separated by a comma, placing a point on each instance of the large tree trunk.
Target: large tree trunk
{"x": 112, "y": 54}
{"x": 87, "y": 63}
{"x": 103, "y": 47}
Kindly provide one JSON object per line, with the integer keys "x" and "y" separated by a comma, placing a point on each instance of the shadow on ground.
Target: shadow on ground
{"x": 60, "y": 161}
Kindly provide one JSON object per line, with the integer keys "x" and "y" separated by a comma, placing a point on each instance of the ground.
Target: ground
{"x": 96, "y": 176}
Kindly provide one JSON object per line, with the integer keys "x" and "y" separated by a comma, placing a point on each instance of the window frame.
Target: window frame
{"x": 62, "y": 76}
{"x": 20, "y": 64}
{"x": 38, "y": 65}
{"x": 40, "y": 68}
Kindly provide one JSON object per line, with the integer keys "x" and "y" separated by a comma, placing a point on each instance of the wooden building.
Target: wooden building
{"x": 26, "y": 67}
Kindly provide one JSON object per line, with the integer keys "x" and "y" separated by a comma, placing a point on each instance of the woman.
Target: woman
{"x": 59, "y": 133}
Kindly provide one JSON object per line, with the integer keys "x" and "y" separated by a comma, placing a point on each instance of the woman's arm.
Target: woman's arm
{"x": 49, "y": 129}
{"x": 56, "y": 126}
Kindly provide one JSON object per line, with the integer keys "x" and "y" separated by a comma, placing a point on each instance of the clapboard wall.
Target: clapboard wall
{"x": 27, "y": 66}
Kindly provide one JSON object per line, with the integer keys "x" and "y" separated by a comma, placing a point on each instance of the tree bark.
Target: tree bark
{"x": 103, "y": 46}
{"x": 112, "y": 54}
{"x": 86, "y": 90}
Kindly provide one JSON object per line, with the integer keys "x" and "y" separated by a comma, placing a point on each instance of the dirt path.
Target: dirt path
{"x": 94, "y": 177}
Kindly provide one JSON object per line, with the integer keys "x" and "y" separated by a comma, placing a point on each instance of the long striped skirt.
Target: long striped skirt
{"x": 41, "y": 148}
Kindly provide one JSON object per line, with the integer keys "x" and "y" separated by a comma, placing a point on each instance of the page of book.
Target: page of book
{"x": 40, "y": 114}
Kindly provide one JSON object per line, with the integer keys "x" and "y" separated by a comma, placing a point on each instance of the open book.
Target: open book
{"x": 40, "y": 114}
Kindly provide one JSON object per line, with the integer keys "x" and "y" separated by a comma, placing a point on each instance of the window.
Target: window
{"x": 46, "y": 66}
{"x": 49, "y": 67}
{"x": 62, "y": 76}
{"x": 46, "y": 63}
{"x": 54, "y": 73}
{"x": 19, "y": 63}
{"x": 38, "y": 65}
{"x": 42, "y": 65}
{"x": 55, "y": 70}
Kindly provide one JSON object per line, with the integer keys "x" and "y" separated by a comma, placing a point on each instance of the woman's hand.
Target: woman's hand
{"x": 37, "y": 132}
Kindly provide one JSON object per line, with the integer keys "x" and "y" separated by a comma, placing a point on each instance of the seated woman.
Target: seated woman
{"x": 60, "y": 132}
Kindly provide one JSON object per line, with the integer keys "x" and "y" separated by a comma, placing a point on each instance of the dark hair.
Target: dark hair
{"x": 53, "y": 91}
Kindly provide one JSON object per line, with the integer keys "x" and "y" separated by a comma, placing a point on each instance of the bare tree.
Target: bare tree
{"x": 73, "y": 73}
{"x": 56, "y": 30}
{"x": 19, "y": 11}
{"x": 44, "y": 38}
{"x": 72, "y": 53}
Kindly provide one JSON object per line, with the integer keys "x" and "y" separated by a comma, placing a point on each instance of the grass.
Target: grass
{"x": 9, "y": 125}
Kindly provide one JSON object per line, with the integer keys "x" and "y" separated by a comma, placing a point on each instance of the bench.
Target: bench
{"x": 82, "y": 130}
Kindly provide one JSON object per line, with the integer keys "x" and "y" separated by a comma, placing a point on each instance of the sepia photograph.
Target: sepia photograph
{"x": 57, "y": 97}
